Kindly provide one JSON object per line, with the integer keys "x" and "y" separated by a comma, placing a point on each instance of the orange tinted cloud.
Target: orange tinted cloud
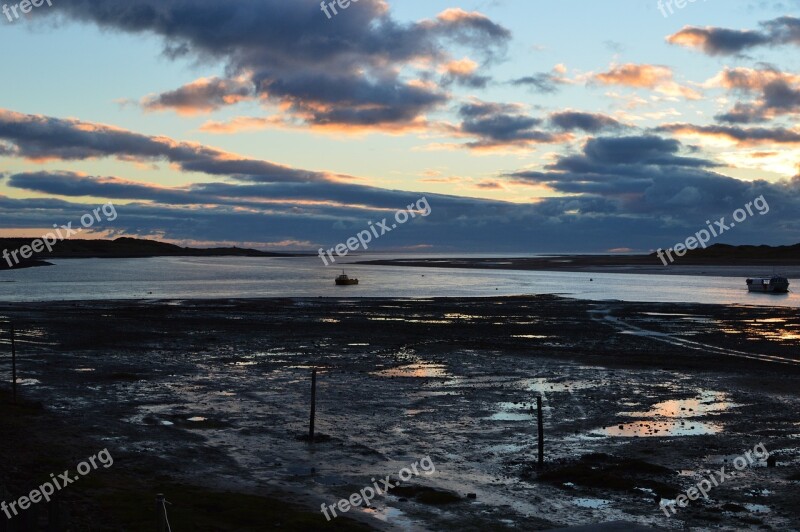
{"x": 201, "y": 96}
{"x": 462, "y": 67}
{"x": 654, "y": 77}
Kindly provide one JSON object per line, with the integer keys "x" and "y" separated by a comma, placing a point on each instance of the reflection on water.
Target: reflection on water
{"x": 390, "y": 514}
{"x": 513, "y": 412}
{"x": 707, "y": 403}
{"x": 542, "y": 385}
{"x": 595, "y": 504}
{"x": 415, "y": 370}
{"x": 765, "y": 328}
{"x": 674, "y": 417}
{"x": 644, "y": 429}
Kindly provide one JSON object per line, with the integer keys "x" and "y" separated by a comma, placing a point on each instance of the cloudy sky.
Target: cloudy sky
{"x": 529, "y": 126}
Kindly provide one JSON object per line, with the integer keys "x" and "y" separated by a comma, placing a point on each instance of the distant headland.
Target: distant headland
{"x": 121, "y": 248}
{"x": 719, "y": 259}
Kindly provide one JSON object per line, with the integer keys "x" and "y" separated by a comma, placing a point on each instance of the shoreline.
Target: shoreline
{"x": 591, "y": 265}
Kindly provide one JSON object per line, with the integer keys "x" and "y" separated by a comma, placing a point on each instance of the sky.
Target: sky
{"x": 527, "y": 126}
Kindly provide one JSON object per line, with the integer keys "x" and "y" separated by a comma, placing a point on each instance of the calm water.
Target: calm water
{"x": 191, "y": 278}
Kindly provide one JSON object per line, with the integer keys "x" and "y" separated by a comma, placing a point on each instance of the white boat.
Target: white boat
{"x": 773, "y": 285}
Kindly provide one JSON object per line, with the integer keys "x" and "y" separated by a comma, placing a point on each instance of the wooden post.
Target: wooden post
{"x": 161, "y": 513}
{"x": 541, "y": 431}
{"x": 13, "y": 366}
{"x": 313, "y": 404}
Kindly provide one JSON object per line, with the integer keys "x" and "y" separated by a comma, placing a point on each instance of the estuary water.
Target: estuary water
{"x": 234, "y": 277}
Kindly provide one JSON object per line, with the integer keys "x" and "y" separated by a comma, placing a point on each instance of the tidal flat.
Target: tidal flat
{"x": 208, "y": 402}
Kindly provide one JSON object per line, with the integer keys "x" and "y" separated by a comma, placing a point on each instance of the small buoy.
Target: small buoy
{"x": 590, "y": 280}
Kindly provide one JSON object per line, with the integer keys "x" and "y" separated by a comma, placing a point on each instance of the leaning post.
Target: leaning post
{"x": 13, "y": 366}
{"x": 313, "y": 404}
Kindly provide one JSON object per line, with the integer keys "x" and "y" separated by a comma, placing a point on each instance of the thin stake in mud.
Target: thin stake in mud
{"x": 541, "y": 430}
{"x": 162, "y": 523}
{"x": 161, "y": 513}
{"x": 313, "y": 404}
{"x": 13, "y": 366}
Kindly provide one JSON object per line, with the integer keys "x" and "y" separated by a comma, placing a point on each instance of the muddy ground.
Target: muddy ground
{"x": 641, "y": 402}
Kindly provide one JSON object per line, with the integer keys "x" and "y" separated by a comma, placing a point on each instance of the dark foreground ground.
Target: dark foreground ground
{"x": 207, "y": 402}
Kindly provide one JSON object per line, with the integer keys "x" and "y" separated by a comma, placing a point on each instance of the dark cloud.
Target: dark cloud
{"x": 742, "y": 136}
{"x": 778, "y": 94}
{"x": 201, "y": 96}
{"x": 470, "y": 80}
{"x": 339, "y": 199}
{"x": 542, "y": 82}
{"x": 588, "y": 122}
{"x": 723, "y": 41}
{"x": 345, "y": 71}
{"x": 624, "y": 169}
{"x": 644, "y": 187}
{"x": 42, "y": 137}
{"x": 498, "y": 125}
{"x": 637, "y": 192}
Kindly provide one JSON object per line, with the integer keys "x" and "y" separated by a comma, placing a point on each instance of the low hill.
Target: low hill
{"x": 123, "y": 247}
{"x": 726, "y": 254}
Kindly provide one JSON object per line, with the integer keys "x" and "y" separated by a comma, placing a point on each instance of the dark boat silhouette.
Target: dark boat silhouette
{"x": 344, "y": 280}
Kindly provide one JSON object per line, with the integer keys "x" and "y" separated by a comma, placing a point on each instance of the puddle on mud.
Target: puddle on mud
{"x": 512, "y": 412}
{"x": 421, "y": 370}
{"x": 411, "y": 412}
{"x": 649, "y": 429}
{"x": 595, "y": 504}
{"x": 392, "y": 515}
{"x": 757, "y": 508}
{"x": 772, "y": 329}
{"x": 666, "y": 314}
{"x": 459, "y": 316}
{"x": 544, "y": 385}
{"x": 705, "y": 404}
{"x": 674, "y": 417}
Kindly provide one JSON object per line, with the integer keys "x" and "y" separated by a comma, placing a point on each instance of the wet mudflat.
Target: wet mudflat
{"x": 641, "y": 402}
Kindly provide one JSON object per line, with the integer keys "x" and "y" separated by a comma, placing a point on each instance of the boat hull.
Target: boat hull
{"x": 775, "y": 285}
{"x": 768, "y": 289}
{"x": 348, "y": 282}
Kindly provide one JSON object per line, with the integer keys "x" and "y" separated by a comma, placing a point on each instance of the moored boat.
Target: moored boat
{"x": 775, "y": 284}
{"x": 344, "y": 280}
